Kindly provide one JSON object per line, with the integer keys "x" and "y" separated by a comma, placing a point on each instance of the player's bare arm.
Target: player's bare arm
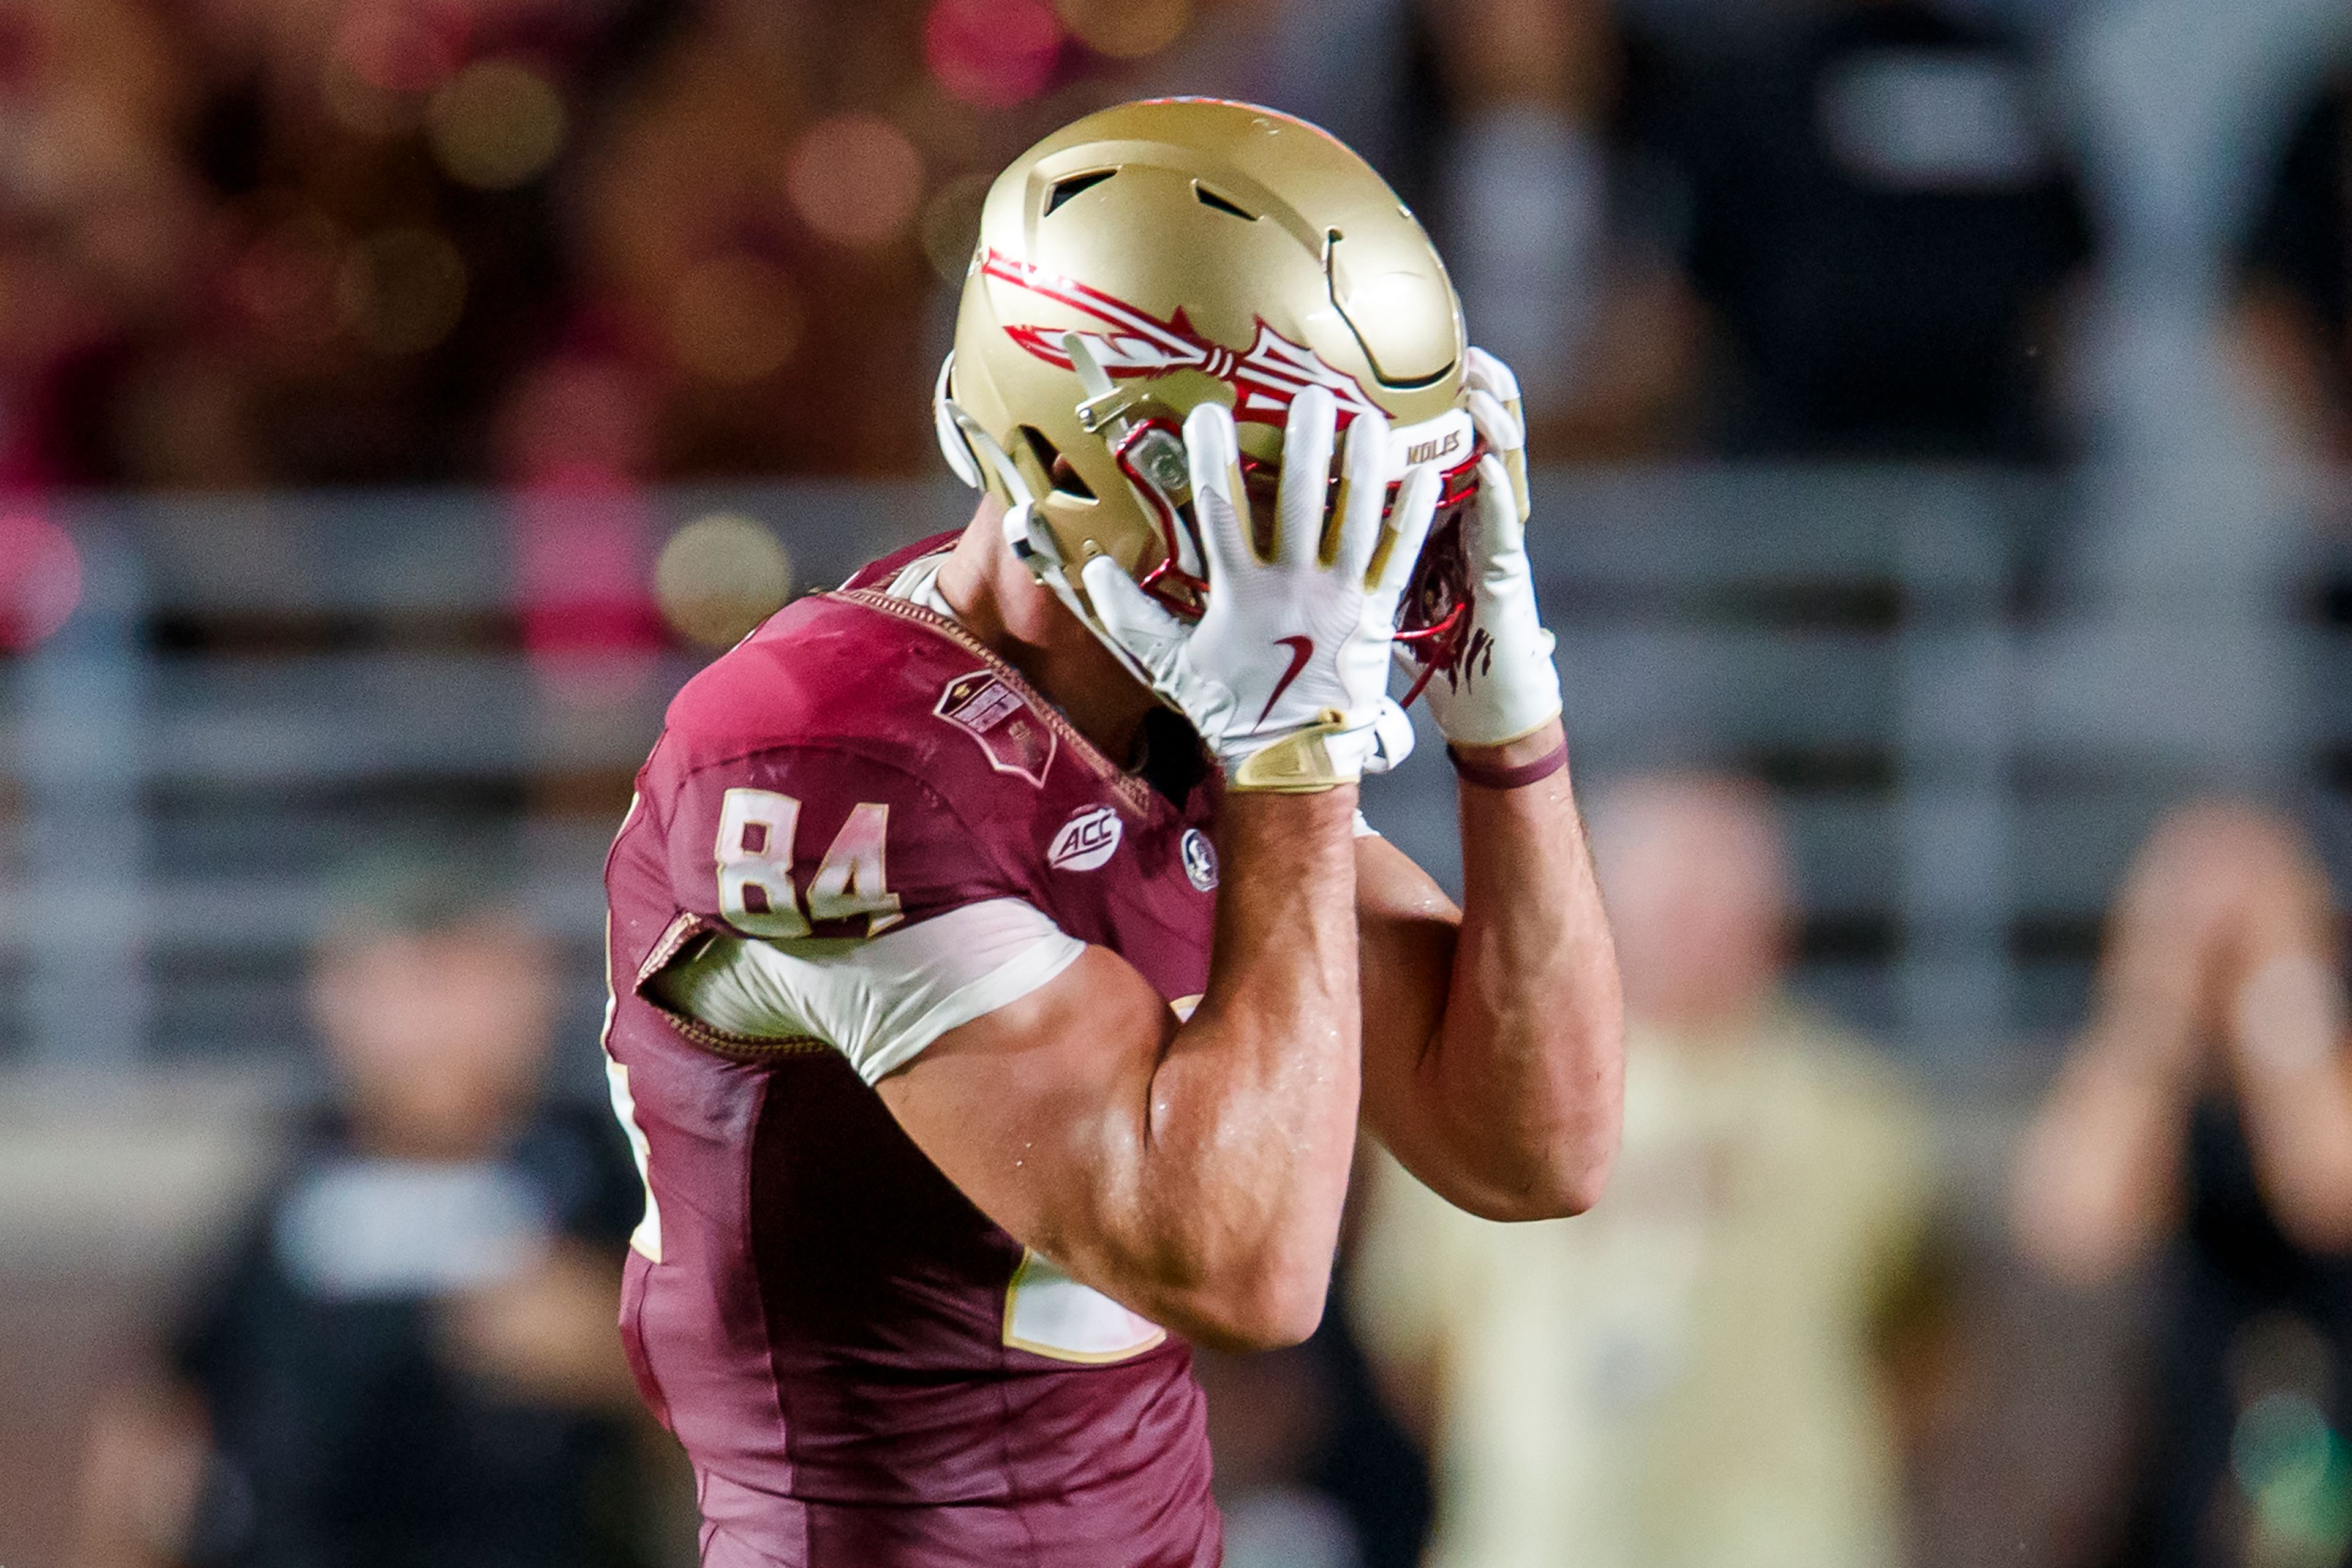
{"x": 1492, "y": 1047}
{"x": 1493, "y": 1041}
{"x": 1194, "y": 1170}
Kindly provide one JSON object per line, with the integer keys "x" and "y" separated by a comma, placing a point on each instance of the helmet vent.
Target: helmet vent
{"x": 1209, "y": 198}
{"x": 1064, "y": 189}
{"x": 1060, "y": 475}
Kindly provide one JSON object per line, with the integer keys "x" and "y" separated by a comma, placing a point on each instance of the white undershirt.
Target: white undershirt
{"x": 918, "y": 583}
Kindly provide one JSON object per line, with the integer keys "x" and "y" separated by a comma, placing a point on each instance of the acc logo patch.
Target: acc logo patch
{"x": 1200, "y": 858}
{"x": 1008, "y": 730}
{"x": 1086, "y": 840}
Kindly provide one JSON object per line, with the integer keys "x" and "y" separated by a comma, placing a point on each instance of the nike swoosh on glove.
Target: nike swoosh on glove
{"x": 1285, "y": 675}
{"x": 1503, "y": 684}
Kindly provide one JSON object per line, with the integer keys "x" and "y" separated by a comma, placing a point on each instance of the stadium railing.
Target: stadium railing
{"x": 254, "y": 689}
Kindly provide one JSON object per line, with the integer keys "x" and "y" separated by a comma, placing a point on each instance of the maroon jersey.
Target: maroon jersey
{"x": 864, "y": 1369}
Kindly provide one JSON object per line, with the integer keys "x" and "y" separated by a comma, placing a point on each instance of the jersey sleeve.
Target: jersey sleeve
{"x": 845, "y": 901}
{"x": 809, "y": 841}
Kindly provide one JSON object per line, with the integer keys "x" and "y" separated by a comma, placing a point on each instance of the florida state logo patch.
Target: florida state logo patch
{"x": 1200, "y": 858}
{"x": 1015, "y": 740}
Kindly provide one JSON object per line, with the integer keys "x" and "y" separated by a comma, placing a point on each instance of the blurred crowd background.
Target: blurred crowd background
{"x": 1941, "y": 408}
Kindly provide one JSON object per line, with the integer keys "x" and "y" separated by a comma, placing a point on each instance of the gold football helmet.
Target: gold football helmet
{"x": 1158, "y": 255}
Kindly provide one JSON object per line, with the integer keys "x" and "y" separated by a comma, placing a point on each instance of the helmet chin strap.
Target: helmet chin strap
{"x": 947, "y": 425}
{"x": 1031, "y": 543}
{"x": 975, "y": 454}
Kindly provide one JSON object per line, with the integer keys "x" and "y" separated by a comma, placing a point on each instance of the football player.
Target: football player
{"x": 1002, "y": 970}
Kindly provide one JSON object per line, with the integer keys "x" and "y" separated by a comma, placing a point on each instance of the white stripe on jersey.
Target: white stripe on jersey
{"x": 880, "y": 1001}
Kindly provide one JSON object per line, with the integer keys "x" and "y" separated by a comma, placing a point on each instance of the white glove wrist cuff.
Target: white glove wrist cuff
{"x": 1321, "y": 757}
{"x": 1498, "y": 725}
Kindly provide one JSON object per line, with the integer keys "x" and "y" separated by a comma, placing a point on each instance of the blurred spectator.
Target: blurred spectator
{"x": 411, "y": 1356}
{"x": 2205, "y": 1121}
{"x": 1498, "y": 122}
{"x": 1874, "y": 210}
{"x": 1604, "y": 334}
{"x": 1687, "y": 1376}
{"x": 1527, "y": 87}
{"x": 99, "y": 220}
{"x": 2297, "y": 310}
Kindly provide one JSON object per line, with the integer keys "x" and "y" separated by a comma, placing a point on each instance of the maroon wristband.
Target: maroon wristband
{"x": 1486, "y": 777}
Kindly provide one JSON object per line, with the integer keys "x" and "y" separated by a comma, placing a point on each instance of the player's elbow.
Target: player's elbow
{"x": 1576, "y": 1136}
{"x": 1556, "y": 1170}
{"x": 1269, "y": 1308}
{"x": 1580, "y": 1155}
{"x": 1573, "y": 1178}
{"x": 1267, "y": 1321}
{"x": 1555, "y": 1187}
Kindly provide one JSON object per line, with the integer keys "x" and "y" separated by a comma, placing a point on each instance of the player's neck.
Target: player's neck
{"x": 997, "y": 601}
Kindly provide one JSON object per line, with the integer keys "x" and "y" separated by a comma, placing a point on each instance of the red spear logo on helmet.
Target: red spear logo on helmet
{"x": 1265, "y": 378}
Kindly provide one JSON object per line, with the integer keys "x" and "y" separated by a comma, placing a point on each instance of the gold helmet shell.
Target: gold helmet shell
{"x": 1153, "y": 256}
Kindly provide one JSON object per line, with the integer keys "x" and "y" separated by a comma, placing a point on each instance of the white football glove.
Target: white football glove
{"x": 1503, "y": 685}
{"x": 1286, "y": 677}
